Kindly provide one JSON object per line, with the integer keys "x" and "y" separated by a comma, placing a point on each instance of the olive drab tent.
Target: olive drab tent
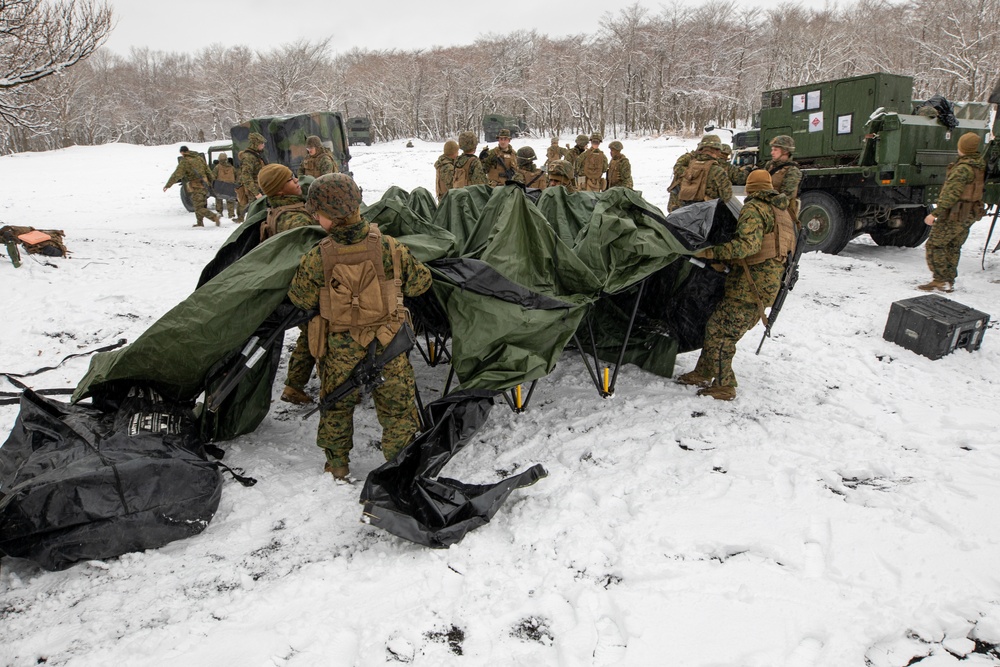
{"x": 515, "y": 283}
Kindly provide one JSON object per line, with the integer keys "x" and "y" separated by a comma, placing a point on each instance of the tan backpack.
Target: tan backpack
{"x": 269, "y": 227}
{"x": 695, "y": 181}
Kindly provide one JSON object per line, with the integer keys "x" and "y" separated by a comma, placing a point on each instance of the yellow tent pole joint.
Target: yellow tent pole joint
{"x": 430, "y": 350}
{"x": 517, "y": 399}
{"x": 606, "y": 379}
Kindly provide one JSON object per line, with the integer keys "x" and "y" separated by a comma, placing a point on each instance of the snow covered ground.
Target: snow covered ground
{"x": 843, "y": 510}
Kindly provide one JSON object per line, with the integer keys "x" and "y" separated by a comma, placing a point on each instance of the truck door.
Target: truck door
{"x": 852, "y": 104}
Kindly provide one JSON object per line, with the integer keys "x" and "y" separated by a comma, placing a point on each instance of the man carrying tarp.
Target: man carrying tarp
{"x": 286, "y": 209}
{"x": 765, "y": 234}
{"x": 357, "y": 278}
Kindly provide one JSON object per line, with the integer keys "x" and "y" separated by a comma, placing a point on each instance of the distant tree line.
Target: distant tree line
{"x": 641, "y": 73}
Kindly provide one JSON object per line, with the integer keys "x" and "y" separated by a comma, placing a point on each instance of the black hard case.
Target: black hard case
{"x": 934, "y": 326}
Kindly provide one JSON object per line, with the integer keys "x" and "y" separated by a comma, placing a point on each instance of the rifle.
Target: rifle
{"x": 982, "y": 261}
{"x": 508, "y": 172}
{"x": 366, "y": 375}
{"x": 789, "y": 277}
{"x": 253, "y": 351}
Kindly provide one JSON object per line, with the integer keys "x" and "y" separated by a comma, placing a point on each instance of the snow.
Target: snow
{"x": 843, "y": 510}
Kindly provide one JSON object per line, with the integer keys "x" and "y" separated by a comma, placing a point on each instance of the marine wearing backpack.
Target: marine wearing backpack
{"x": 591, "y": 166}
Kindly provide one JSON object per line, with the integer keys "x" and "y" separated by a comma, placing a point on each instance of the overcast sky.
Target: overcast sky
{"x": 189, "y": 25}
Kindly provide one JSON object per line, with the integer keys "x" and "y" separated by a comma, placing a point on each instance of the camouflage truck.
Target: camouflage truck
{"x": 493, "y": 123}
{"x": 870, "y": 162}
{"x": 359, "y": 131}
{"x": 285, "y": 143}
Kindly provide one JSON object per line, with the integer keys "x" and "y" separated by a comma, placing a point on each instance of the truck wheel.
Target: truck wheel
{"x": 186, "y": 199}
{"x": 824, "y": 217}
{"x": 911, "y": 234}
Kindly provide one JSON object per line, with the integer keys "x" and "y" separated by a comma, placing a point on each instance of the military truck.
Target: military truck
{"x": 493, "y": 123}
{"x": 359, "y": 131}
{"x": 284, "y": 142}
{"x": 870, "y": 163}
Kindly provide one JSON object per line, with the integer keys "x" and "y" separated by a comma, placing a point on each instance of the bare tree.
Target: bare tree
{"x": 38, "y": 40}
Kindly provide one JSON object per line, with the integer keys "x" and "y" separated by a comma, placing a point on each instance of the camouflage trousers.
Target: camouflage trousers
{"x": 731, "y": 319}
{"x": 241, "y": 203}
{"x": 301, "y": 362}
{"x": 230, "y": 205}
{"x": 199, "y": 198}
{"x": 944, "y": 248}
{"x": 395, "y": 401}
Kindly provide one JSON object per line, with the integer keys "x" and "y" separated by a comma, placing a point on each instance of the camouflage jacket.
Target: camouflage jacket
{"x": 620, "y": 172}
{"x": 473, "y": 166}
{"x": 718, "y": 186}
{"x": 500, "y": 165}
{"x": 192, "y": 171}
{"x": 319, "y": 164}
{"x": 224, "y": 171}
{"x": 756, "y": 219}
{"x": 305, "y": 287}
{"x": 573, "y": 154}
{"x": 786, "y": 176}
{"x": 961, "y": 174}
{"x": 251, "y": 162}
{"x": 290, "y": 219}
{"x": 445, "y": 168}
{"x": 736, "y": 175}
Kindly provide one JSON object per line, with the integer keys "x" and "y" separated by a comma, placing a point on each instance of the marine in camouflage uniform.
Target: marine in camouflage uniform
{"x": 527, "y": 173}
{"x": 561, "y": 173}
{"x": 785, "y": 173}
{"x": 619, "y": 169}
{"x": 196, "y": 178}
{"x": 224, "y": 171}
{"x": 594, "y": 161}
{"x": 959, "y": 206}
{"x": 501, "y": 162}
{"x": 319, "y": 161}
{"x": 252, "y": 160}
{"x": 468, "y": 167}
{"x": 287, "y": 210}
{"x": 335, "y": 200}
{"x": 444, "y": 167}
{"x": 748, "y": 289}
{"x": 573, "y": 154}
{"x": 717, "y": 185}
{"x": 554, "y": 152}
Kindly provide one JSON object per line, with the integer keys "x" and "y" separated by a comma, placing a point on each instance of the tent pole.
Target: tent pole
{"x": 628, "y": 334}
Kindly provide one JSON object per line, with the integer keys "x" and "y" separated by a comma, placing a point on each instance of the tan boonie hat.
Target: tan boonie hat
{"x": 759, "y": 179}
{"x": 335, "y": 196}
{"x": 272, "y": 178}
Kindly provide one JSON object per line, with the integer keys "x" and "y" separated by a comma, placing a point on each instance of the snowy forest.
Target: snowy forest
{"x": 642, "y": 72}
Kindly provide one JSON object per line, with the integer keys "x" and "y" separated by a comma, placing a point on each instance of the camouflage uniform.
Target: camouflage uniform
{"x": 468, "y": 167}
{"x": 445, "y": 168}
{"x": 555, "y": 152}
{"x": 573, "y": 154}
{"x": 500, "y": 163}
{"x": 952, "y": 220}
{"x": 196, "y": 176}
{"x": 737, "y": 176}
{"x": 225, "y": 172}
{"x": 744, "y": 298}
{"x": 588, "y": 183}
{"x": 527, "y": 173}
{"x": 679, "y": 168}
{"x": 395, "y": 398}
{"x": 718, "y": 186}
{"x": 320, "y": 163}
{"x": 786, "y": 176}
{"x": 561, "y": 173}
{"x": 251, "y": 162}
{"x": 619, "y": 169}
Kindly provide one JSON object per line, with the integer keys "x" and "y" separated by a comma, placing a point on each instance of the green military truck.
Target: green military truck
{"x": 870, "y": 163}
{"x": 359, "y": 131}
{"x": 493, "y": 123}
{"x": 284, "y": 143}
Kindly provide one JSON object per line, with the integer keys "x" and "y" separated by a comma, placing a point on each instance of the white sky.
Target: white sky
{"x": 189, "y": 25}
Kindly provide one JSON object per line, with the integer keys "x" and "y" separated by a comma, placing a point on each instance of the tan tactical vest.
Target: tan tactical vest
{"x": 225, "y": 172}
{"x": 614, "y": 178}
{"x": 778, "y": 242}
{"x": 463, "y": 172}
{"x": 970, "y": 206}
{"x": 356, "y": 296}
{"x": 695, "y": 181}
{"x": 439, "y": 184}
{"x": 496, "y": 174}
{"x": 534, "y": 179}
{"x": 269, "y": 227}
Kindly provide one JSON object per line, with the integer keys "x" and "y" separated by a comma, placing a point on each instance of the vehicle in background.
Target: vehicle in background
{"x": 493, "y": 123}
{"x": 359, "y": 131}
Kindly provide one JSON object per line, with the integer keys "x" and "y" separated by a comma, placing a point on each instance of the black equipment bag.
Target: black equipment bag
{"x": 77, "y": 483}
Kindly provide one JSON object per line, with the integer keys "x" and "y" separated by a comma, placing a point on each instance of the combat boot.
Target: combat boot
{"x": 694, "y": 378}
{"x": 215, "y": 219}
{"x": 296, "y": 396}
{"x": 936, "y": 286}
{"x": 340, "y": 473}
{"x": 200, "y": 223}
{"x": 719, "y": 392}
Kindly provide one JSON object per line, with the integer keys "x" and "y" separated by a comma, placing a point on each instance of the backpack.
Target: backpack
{"x": 695, "y": 181}
{"x": 269, "y": 227}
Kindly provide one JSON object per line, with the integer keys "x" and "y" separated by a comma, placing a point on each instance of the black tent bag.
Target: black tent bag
{"x": 81, "y": 484}
{"x": 401, "y": 497}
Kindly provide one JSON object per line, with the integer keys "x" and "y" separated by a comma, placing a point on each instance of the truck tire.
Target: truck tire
{"x": 186, "y": 199}
{"x": 823, "y": 215}
{"x": 911, "y": 234}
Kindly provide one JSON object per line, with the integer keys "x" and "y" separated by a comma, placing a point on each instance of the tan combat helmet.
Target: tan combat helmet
{"x": 784, "y": 142}
{"x": 596, "y": 138}
{"x": 711, "y": 141}
{"x": 468, "y": 141}
{"x": 615, "y": 146}
{"x": 581, "y": 140}
{"x": 335, "y": 196}
{"x": 525, "y": 155}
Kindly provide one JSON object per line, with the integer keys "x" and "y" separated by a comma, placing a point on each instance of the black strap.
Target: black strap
{"x": 11, "y": 398}
{"x": 106, "y": 348}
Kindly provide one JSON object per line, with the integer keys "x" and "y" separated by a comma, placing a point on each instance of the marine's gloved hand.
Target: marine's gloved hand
{"x": 705, "y": 253}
